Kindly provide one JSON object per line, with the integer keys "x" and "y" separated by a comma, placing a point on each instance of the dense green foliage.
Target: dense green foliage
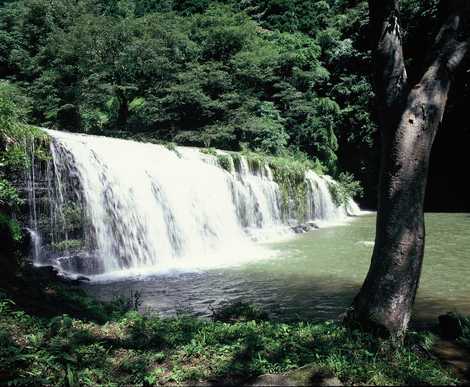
{"x": 270, "y": 75}
{"x": 131, "y": 348}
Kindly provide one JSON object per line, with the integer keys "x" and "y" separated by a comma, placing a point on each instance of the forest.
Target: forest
{"x": 109, "y": 108}
{"x": 271, "y": 76}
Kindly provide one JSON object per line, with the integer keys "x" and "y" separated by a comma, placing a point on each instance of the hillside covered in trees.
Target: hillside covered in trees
{"x": 267, "y": 75}
{"x": 272, "y": 76}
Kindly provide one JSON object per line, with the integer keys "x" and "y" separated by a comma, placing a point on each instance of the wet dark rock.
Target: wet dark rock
{"x": 304, "y": 227}
{"x": 74, "y": 281}
{"x": 81, "y": 263}
{"x": 313, "y": 225}
{"x": 454, "y": 355}
{"x": 40, "y": 273}
{"x": 449, "y": 326}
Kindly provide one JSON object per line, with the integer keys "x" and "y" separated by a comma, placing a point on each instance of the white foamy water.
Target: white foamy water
{"x": 150, "y": 209}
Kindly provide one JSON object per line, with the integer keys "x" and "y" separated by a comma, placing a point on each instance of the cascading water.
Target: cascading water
{"x": 118, "y": 206}
{"x": 321, "y": 205}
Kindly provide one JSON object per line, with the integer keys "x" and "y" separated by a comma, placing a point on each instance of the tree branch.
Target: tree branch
{"x": 449, "y": 47}
{"x": 391, "y": 80}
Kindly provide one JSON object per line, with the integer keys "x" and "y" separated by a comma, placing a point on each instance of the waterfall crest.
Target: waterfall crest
{"x": 118, "y": 206}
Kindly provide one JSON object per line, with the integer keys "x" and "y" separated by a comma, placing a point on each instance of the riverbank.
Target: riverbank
{"x": 59, "y": 333}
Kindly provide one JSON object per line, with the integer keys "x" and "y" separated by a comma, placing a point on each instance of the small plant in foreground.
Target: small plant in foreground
{"x": 238, "y": 311}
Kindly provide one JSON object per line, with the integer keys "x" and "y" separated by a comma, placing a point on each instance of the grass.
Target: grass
{"x": 114, "y": 345}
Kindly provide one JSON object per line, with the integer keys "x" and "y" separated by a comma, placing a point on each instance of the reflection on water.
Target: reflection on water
{"x": 316, "y": 275}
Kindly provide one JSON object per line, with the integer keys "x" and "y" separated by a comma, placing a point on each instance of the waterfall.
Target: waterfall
{"x": 321, "y": 205}
{"x": 35, "y": 244}
{"x": 118, "y": 206}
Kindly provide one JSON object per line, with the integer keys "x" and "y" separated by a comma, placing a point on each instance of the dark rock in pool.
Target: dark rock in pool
{"x": 305, "y": 227}
{"x": 82, "y": 264}
{"x": 449, "y": 326}
{"x": 313, "y": 225}
{"x": 298, "y": 229}
{"x": 39, "y": 273}
{"x": 74, "y": 281}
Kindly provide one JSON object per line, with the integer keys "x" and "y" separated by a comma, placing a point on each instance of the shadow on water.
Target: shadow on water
{"x": 296, "y": 298}
{"x": 284, "y": 299}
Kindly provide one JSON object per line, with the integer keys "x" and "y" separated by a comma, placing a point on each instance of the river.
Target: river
{"x": 313, "y": 276}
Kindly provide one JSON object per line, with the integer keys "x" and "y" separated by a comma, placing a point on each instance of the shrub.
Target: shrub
{"x": 67, "y": 245}
{"x": 208, "y": 151}
{"x": 238, "y": 311}
{"x": 9, "y": 196}
{"x": 11, "y": 226}
{"x": 225, "y": 162}
{"x": 345, "y": 188}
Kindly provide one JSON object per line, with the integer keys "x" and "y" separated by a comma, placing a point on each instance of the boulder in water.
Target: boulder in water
{"x": 82, "y": 264}
{"x": 304, "y": 227}
{"x": 299, "y": 229}
{"x": 313, "y": 225}
{"x": 449, "y": 326}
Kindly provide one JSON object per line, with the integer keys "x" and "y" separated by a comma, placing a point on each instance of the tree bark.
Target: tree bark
{"x": 409, "y": 118}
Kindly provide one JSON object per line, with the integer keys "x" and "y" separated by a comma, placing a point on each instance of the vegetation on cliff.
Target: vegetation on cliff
{"x": 19, "y": 142}
{"x": 267, "y": 74}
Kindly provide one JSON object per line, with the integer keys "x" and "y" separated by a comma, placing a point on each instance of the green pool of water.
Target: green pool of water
{"x": 316, "y": 275}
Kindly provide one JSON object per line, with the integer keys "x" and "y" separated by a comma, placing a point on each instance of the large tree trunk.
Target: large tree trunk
{"x": 409, "y": 119}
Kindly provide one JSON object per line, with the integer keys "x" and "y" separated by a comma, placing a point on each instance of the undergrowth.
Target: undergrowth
{"x": 239, "y": 342}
